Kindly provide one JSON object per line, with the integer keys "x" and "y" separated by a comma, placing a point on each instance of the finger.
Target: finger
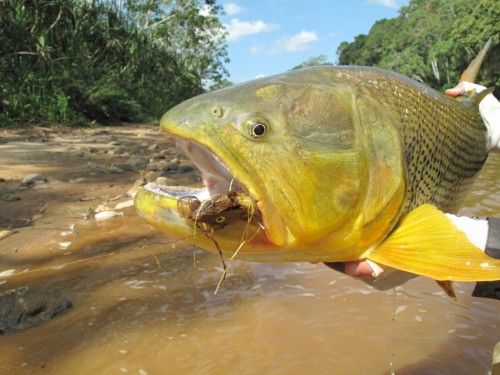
{"x": 358, "y": 269}
{"x": 455, "y": 91}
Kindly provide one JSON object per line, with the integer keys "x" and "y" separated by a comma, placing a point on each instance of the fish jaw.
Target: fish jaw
{"x": 157, "y": 204}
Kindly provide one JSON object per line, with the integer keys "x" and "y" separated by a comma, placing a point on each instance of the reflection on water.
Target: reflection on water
{"x": 143, "y": 307}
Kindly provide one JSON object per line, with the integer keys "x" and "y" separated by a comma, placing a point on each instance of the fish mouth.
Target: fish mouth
{"x": 216, "y": 177}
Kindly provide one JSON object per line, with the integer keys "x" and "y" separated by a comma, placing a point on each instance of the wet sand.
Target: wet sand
{"x": 144, "y": 303}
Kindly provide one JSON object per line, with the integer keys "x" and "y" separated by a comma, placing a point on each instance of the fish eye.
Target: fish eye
{"x": 220, "y": 219}
{"x": 258, "y": 128}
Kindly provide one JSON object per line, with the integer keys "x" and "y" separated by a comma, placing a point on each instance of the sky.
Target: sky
{"x": 268, "y": 37}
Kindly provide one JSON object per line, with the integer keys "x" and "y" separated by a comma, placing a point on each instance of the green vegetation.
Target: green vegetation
{"x": 105, "y": 61}
{"x": 432, "y": 41}
{"x": 320, "y": 60}
{"x": 131, "y": 60}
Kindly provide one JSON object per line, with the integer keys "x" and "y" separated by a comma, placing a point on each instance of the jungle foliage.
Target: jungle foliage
{"x": 432, "y": 41}
{"x": 103, "y": 60}
{"x": 320, "y": 60}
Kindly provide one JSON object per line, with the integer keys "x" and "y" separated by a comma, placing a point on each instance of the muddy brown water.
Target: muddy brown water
{"x": 145, "y": 304}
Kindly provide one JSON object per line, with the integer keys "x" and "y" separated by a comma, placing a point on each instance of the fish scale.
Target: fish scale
{"x": 444, "y": 140}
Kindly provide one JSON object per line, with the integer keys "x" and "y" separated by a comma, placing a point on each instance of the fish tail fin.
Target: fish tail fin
{"x": 427, "y": 243}
{"x": 470, "y": 74}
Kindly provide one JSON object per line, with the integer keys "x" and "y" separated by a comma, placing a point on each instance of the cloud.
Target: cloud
{"x": 237, "y": 28}
{"x": 386, "y": 3}
{"x": 231, "y": 9}
{"x": 297, "y": 42}
{"x": 256, "y": 50}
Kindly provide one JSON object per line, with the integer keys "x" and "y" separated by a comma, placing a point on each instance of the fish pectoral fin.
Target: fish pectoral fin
{"x": 447, "y": 286}
{"x": 427, "y": 243}
{"x": 477, "y": 98}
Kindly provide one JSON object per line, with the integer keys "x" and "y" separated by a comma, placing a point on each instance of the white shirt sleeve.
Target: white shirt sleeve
{"x": 490, "y": 112}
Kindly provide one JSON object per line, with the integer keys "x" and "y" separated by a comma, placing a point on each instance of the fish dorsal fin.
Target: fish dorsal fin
{"x": 470, "y": 74}
{"x": 427, "y": 243}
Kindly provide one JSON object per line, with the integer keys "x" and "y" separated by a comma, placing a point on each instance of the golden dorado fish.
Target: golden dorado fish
{"x": 328, "y": 164}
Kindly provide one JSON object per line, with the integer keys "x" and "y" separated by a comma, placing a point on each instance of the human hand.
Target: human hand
{"x": 360, "y": 268}
{"x": 489, "y": 108}
{"x": 455, "y": 91}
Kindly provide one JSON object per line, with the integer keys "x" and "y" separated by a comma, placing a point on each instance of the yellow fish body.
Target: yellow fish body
{"x": 343, "y": 163}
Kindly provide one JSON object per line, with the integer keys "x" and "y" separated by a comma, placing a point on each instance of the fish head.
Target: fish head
{"x": 321, "y": 159}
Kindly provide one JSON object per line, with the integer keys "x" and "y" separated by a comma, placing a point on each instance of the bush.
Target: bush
{"x": 69, "y": 60}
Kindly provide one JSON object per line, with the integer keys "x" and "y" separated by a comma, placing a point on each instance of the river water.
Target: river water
{"x": 145, "y": 304}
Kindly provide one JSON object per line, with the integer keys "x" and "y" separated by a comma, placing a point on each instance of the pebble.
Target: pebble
{"x": 138, "y": 161}
{"x": 157, "y": 166}
{"x": 116, "y": 151}
{"x": 114, "y": 169}
{"x": 77, "y": 152}
{"x": 152, "y": 176}
{"x": 126, "y": 167}
{"x": 166, "y": 181}
{"x": 186, "y": 168}
{"x": 128, "y": 203}
{"x": 94, "y": 166}
{"x": 169, "y": 152}
{"x": 6, "y": 191}
{"x": 39, "y": 185}
{"x": 31, "y": 178}
{"x": 6, "y": 233}
{"x": 139, "y": 182}
{"x": 106, "y": 215}
{"x": 64, "y": 245}
{"x": 172, "y": 167}
{"x": 100, "y": 138}
{"x": 77, "y": 180}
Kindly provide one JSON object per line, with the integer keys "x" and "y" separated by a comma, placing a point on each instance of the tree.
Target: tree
{"x": 431, "y": 41}
{"x": 469, "y": 34}
{"x": 320, "y": 60}
{"x": 104, "y": 60}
